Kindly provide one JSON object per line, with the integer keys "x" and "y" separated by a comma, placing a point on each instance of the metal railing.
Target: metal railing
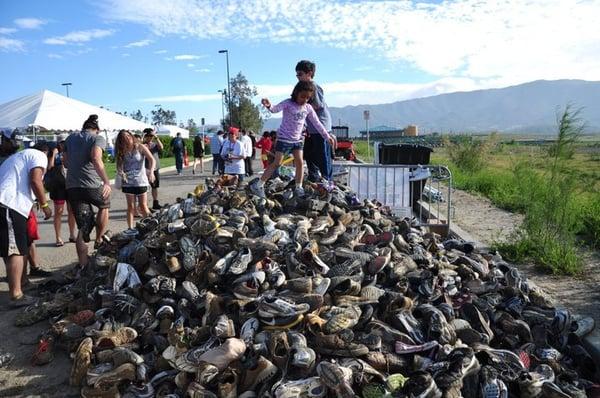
{"x": 398, "y": 187}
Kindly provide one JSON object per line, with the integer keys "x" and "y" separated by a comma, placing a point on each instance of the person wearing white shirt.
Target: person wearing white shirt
{"x": 233, "y": 154}
{"x": 20, "y": 184}
{"x": 247, "y": 144}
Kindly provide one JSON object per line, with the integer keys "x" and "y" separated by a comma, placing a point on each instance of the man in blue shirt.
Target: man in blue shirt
{"x": 178, "y": 147}
{"x": 216, "y": 143}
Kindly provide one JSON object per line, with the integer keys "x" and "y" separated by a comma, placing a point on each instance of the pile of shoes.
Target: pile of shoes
{"x": 227, "y": 294}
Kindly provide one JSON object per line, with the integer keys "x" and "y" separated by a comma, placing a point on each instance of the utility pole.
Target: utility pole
{"x": 366, "y": 115}
{"x": 67, "y": 87}
{"x": 226, "y": 52}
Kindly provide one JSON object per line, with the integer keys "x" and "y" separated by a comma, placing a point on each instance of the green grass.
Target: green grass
{"x": 360, "y": 147}
{"x": 111, "y": 167}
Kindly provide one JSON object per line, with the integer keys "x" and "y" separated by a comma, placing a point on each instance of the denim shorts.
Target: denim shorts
{"x": 288, "y": 147}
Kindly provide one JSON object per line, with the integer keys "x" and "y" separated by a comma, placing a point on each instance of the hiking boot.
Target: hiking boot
{"x": 81, "y": 362}
{"x": 264, "y": 370}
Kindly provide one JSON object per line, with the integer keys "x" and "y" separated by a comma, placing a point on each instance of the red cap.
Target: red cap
{"x": 234, "y": 130}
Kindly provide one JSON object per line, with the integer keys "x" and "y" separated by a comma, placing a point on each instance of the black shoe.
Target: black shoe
{"x": 37, "y": 271}
{"x": 156, "y": 205}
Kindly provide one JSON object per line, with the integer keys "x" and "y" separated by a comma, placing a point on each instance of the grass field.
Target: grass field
{"x": 111, "y": 167}
{"x": 559, "y": 198}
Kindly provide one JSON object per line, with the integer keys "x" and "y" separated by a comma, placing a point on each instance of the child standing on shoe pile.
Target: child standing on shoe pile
{"x": 318, "y": 150}
{"x": 289, "y": 136}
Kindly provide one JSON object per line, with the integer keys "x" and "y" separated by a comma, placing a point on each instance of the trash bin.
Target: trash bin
{"x": 410, "y": 154}
{"x": 404, "y": 154}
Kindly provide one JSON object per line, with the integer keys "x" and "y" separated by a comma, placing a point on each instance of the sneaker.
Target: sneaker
{"x": 223, "y": 355}
{"x": 258, "y": 189}
{"x": 224, "y": 327}
{"x": 124, "y": 372}
{"x": 334, "y": 378}
{"x": 273, "y": 306}
{"x": 117, "y": 338}
{"x": 156, "y": 205}
{"x": 263, "y": 371}
{"x": 241, "y": 261}
{"x": 299, "y": 191}
{"x": 310, "y": 387}
{"x": 39, "y": 272}
{"x": 81, "y": 362}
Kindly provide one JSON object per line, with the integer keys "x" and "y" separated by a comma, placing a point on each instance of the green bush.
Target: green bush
{"x": 469, "y": 154}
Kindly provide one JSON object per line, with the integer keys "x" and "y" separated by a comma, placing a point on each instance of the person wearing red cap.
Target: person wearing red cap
{"x": 233, "y": 154}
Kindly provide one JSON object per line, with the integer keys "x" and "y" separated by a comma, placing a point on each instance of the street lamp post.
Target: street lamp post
{"x": 223, "y": 94}
{"x": 226, "y": 52}
{"x": 67, "y": 87}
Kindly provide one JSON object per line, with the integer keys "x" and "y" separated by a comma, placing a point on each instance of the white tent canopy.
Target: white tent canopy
{"x": 172, "y": 130}
{"x": 51, "y": 111}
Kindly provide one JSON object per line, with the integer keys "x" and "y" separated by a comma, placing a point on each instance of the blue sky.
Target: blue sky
{"x": 128, "y": 55}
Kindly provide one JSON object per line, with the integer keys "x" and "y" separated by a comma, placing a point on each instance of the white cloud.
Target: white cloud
{"x": 184, "y": 98}
{"x": 363, "y": 92}
{"x": 190, "y": 65}
{"x": 11, "y": 45}
{"x": 160, "y": 52}
{"x": 355, "y": 92}
{"x": 187, "y": 57}
{"x": 7, "y": 31}
{"x": 512, "y": 41}
{"x": 202, "y": 70}
{"x": 29, "y": 23}
{"x": 141, "y": 43}
{"x": 80, "y": 36}
{"x": 55, "y": 56}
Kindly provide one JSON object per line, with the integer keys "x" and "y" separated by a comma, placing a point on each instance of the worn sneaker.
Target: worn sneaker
{"x": 258, "y": 189}
{"x": 310, "y": 387}
{"x": 333, "y": 377}
{"x": 81, "y": 362}
{"x": 271, "y": 306}
{"x": 263, "y": 371}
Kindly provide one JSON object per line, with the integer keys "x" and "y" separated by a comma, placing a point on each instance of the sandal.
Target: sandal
{"x": 60, "y": 243}
{"x": 72, "y": 240}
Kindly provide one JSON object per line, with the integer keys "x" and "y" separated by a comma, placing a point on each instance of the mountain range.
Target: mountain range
{"x": 525, "y": 108}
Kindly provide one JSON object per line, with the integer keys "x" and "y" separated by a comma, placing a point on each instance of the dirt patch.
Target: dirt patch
{"x": 486, "y": 223}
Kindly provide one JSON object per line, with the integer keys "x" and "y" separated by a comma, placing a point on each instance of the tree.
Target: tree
{"x": 244, "y": 113}
{"x": 192, "y": 127}
{"x": 163, "y": 116}
{"x": 137, "y": 115}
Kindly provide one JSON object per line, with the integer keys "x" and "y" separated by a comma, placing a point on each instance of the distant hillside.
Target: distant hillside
{"x": 525, "y": 108}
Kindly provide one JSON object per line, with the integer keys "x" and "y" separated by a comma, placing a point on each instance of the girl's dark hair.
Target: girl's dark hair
{"x": 302, "y": 86}
{"x": 266, "y": 134}
{"x": 198, "y": 138}
{"x": 91, "y": 123}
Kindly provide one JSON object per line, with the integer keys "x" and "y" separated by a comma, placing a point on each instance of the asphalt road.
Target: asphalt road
{"x": 22, "y": 379}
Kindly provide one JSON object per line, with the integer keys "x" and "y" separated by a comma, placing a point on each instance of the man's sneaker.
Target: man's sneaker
{"x": 333, "y": 344}
{"x": 272, "y": 306}
{"x": 258, "y": 190}
{"x": 124, "y": 372}
{"x": 263, "y": 371}
{"x": 310, "y": 387}
{"x": 334, "y": 378}
{"x": 241, "y": 261}
{"x": 223, "y": 355}
{"x": 81, "y": 362}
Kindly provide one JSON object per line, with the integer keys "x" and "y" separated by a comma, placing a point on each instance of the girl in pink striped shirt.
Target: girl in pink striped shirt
{"x": 289, "y": 136}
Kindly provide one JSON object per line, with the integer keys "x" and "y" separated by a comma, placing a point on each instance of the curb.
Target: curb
{"x": 170, "y": 168}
